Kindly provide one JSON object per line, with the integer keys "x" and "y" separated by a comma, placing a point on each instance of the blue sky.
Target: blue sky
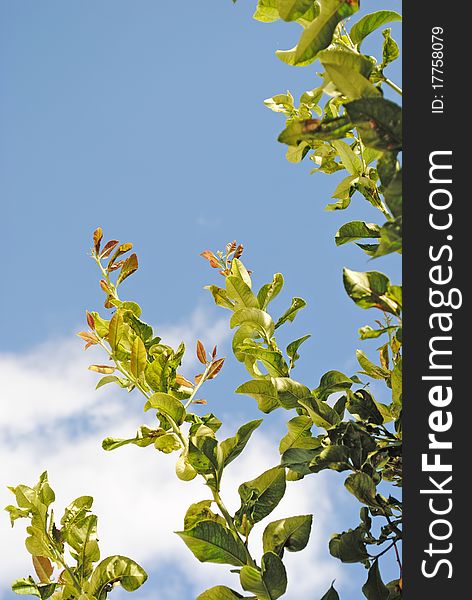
{"x": 147, "y": 118}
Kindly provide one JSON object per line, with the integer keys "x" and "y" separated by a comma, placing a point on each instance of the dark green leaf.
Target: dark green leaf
{"x": 314, "y": 129}
{"x": 362, "y": 405}
{"x": 374, "y": 588}
{"x": 232, "y": 447}
{"x": 371, "y": 22}
{"x": 363, "y": 488}
{"x": 350, "y": 546}
{"x": 291, "y": 534}
{"x": 264, "y": 392}
{"x": 331, "y": 382}
{"x": 260, "y": 496}
{"x": 371, "y": 289}
{"x": 268, "y": 583}
{"x": 211, "y": 542}
{"x": 291, "y": 313}
{"x": 220, "y": 592}
{"x": 379, "y": 122}
{"x": 356, "y": 230}
{"x": 390, "y": 49}
{"x": 292, "y": 349}
{"x": 321, "y": 413}
{"x": 331, "y": 594}
{"x": 299, "y": 435}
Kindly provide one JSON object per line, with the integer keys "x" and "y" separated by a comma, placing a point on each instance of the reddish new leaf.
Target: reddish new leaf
{"x": 201, "y": 353}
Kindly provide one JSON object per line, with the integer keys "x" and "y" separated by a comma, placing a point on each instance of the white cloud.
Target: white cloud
{"x": 52, "y": 419}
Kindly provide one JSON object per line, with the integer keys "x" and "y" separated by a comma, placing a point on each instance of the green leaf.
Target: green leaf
{"x": 331, "y": 382}
{"x": 290, "y": 392}
{"x": 290, "y": 534}
{"x": 220, "y": 592}
{"x": 397, "y": 383}
{"x": 200, "y": 511}
{"x": 257, "y": 319}
{"x": 362, "y": 405}
{"x": 267, "y": 11}
{"x": 298, "y": 459}
{"x": 25, "y": 587}
{"x": 387, "y": 167}
{"x": 75, "y": 512}
{"x": 17, "y": 513}
{"x": 263, "y": 391}
{"x": 260, "y": 496}
{"x": 183, "y": 468}
{"x": 351, "y": 161}
{"x": 116, "y": 569}
{"x": 299, "y": 435}
{"x": 290, "y": 10}
{"x": 321, "y": 413}
{"x": 367, "y": 332}
{"x": 370, "y": 368}
{"x": 220, "y": 296}
{"x": 138, "y": 358}
{"x": 363, "y": 488}
{"x": 371, "y": 289}
{"x": 371, "y": 22}
{"x": 393, "y": 194}
{"x": 211, "y": 542}
{"x": 82, "y": 537}
{"x": 292, "y": 349}
{"x": 379, "y": 122}
{"x": 319, "y": 34}
{"x": 356, "y": 230}
{"x": 349, "y": 72}
{"x": 331, "y": 594}
{"x": 390, "y": 49}
{"x": 238, "y": 291}
{"x": 269, "y": 291}
{"x": 167, "y": 405}
{"x": 391, "y": 238}
{"x": 374, "y": 588}
{"x": 240, "y": 271}
{"x": 314, "y": 129}
{"x": 268, "y": 583}
{"x": 350, "y": 546}
{"x": 145, "y": 436}
{"x": 116, "y": 329}
{"x": 108, "y": 379}
{"x": 281, "y": 103}
{"x": 291, "y": 313}
{"x": 142, "y": 329}
{"x": 272, "y": 360}
{"x": 232, "y": 447}
{"x": 167, "y": 443}
{"x": 332, "y": 457}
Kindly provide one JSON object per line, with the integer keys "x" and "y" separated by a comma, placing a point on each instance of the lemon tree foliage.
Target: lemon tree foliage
{"x": 335, "y": 422}
{"x": 86, "y": 577}
{"x": 345, "y": 125}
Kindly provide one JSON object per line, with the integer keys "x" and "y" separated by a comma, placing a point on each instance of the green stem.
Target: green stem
{"x": 229, "y": 520}
{"x": 59, "y": 558}
{"x": 393, "y": 85}
{"x": 197, "y": 387}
